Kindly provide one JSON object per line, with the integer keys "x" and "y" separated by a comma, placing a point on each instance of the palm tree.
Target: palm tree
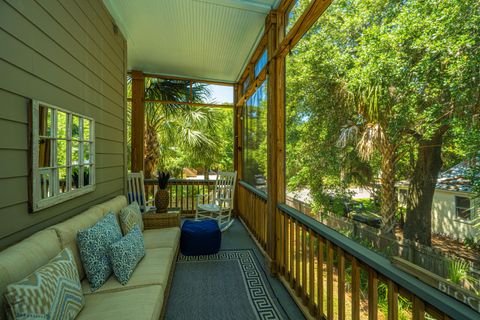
{"x": 172, "y": 125}
{"x": 370, "y": 133}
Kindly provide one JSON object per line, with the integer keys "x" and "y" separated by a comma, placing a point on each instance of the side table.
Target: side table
{"x": 153, "y": 220}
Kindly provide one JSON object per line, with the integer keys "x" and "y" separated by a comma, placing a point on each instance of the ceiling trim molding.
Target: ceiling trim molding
{"x": 250, "y": 54}
{"x": 200, "y": 79}
{"x": 246, "y": 5}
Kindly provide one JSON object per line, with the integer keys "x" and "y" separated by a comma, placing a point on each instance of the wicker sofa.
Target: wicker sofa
{"x": 143, "y": 297}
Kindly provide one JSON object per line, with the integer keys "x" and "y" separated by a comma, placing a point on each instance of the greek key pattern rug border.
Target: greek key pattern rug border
{"x": 260, "y": 298}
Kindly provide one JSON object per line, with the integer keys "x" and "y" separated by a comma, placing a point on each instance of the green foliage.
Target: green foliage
{"x": 458, "y": 273}
{"x": 255, "y": 135}
{"x": 410, "y": 67}
{"x": 179, "y": 136}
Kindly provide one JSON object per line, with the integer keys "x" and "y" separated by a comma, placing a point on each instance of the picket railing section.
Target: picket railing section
{"x": 252, "y": 208}
{"x": 183, "y": 193}
{"x": 433, "y": 259}
{"x": 334, "y": 277}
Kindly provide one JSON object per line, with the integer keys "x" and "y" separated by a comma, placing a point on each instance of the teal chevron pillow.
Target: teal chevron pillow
{"x": 126, "y": 253}
{"x": 93, "y": 244}
{"x": 130, "y": 216}
{"x": 51, "y": 292}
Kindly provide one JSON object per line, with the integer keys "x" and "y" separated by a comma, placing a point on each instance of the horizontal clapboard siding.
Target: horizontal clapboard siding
{"x": 65, "y": 53}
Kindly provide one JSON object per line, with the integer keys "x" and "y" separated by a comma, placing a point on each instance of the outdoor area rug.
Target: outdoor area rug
{"x": 228, "y": 285}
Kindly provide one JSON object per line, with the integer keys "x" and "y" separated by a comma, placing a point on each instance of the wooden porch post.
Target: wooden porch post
{"x": 237, "y": 136}
{"x": 138, "y": 120}
{"x": 275, "y": 137}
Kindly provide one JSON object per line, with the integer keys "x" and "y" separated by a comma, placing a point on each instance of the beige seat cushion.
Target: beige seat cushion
{"x": 162, "y": 238}
{"x": 114, "y": 205}
{"x": 22, "y": 259}
{"x": 153, "y": 269}
{"x": 67, "y": 232}
{"x": 139, "y": 303}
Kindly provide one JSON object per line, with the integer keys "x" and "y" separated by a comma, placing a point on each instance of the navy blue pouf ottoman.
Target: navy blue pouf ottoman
{"x": 200, "y": 237}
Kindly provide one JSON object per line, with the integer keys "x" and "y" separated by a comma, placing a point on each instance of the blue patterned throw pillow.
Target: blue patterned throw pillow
{"x": 126, "y": 253}
{"x": 51, "y": 292}
{"x": 93, "y": 244}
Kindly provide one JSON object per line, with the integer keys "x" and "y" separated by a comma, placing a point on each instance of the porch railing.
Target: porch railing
{"x": 433, "y": 259}
{"x": 183, "y": 193}
{"x": 333, "y": 277}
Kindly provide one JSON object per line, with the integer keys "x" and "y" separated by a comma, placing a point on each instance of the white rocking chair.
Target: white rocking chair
{"x": 221, "y": 205}
{"x": 136, "y": 191}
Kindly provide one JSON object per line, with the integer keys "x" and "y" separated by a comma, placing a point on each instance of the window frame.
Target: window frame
{"x": 464, "y": 209}
{"x": 36, "y": 202}
{"x": 250, "y": 103}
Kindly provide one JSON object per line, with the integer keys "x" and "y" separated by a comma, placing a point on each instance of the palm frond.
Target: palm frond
{"x": 348, "y": 134}
{"x": 372, "y": 136}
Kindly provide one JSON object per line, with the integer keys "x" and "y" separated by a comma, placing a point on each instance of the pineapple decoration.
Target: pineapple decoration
{"x": 162, "y": 197}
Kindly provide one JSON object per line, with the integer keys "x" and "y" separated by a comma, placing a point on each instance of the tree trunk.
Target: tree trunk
{"x": 418, "y": 225}
{"x": 151, "y": 152}
{"x": 388, "y": 196}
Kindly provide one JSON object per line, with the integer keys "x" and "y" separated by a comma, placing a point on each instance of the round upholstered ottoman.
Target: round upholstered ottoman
{"x": 200, "y": 237}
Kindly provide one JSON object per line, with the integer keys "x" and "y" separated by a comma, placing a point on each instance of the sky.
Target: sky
{"x": 222, "y": 94}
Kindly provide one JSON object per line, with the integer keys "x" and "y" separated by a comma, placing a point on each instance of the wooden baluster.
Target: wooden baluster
{"x": 292, "y": 252}
{"x": 265, "y": 222}
{"x": 341, "y": 283}
{"x": 304, "y": 265}
{"x": 355, "y": 289}
{"x": 319, "y": 277}
{"x": 372, "y": 294}
{"x": 392, "y": 301}
{"x": 208, "y": 193}
{"x": 297, "y": 258}
{"x": 311, "y": 273}
{"x": 254, "y": 217}
{"x": 176, "y": 197}
{"x": 188, "y": 207}
{"x": 259, "y": 221}
{"x": 329, "y": 280}
{"x": 281, "y": 242}
{"x": 285, "y": 245}
{"x": 418, "y": 309}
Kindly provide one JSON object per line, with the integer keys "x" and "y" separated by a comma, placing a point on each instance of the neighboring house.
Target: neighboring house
{"x": 454, "y": 204}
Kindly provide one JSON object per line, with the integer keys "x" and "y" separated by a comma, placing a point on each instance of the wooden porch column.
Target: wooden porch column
{"x": 275, "y": 137}
{"x": 138, "y": 120}
{"x": 237, "y": 143}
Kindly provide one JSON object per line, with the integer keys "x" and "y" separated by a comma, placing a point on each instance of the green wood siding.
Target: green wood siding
{"x": 65, "y": 53}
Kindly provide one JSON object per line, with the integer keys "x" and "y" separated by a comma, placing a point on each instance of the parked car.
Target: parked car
{"x": 260, "y": 180}
{"x": 369, "y": 218}
{"x": 352, "y": 206}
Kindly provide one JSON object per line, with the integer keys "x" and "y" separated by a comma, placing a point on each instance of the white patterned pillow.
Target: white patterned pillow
{"x": 51, "y": 292}
{"x": 130, "y": 216}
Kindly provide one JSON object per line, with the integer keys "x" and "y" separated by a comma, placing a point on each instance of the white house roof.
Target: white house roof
{"x": 454, "y": 179}
{"x": 199, "y": 39}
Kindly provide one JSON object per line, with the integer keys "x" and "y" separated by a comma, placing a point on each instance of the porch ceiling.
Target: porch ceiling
{"x": 199, "y": 39}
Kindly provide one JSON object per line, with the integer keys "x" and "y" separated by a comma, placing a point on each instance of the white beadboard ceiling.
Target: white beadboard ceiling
{"x": 199, "y": 39}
